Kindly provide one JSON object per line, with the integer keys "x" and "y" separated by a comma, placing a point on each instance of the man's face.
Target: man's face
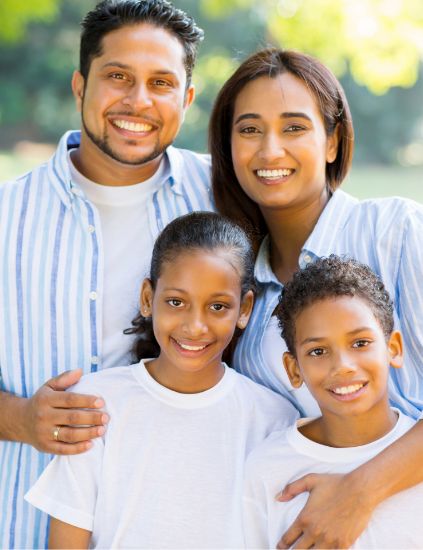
{"x": 135, "y": 96}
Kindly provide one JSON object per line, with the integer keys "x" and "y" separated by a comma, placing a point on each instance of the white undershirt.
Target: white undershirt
{"x": 127, "y": 245}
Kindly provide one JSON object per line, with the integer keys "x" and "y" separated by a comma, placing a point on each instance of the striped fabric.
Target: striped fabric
{"x": 387, "y": 235}
{"x": 51, "y": 273}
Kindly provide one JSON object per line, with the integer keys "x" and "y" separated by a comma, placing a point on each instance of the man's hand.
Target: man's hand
{"x": 54, "y": 420}
{"x": 336, "y": 513}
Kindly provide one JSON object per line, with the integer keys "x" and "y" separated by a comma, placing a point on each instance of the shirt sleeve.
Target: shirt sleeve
{"x": 67, "y": 489}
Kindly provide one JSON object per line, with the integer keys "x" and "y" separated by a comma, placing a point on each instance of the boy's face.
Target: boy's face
{"x": 343, "y": 356}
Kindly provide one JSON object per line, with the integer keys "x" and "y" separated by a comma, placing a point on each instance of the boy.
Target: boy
{"x": 337, "y": 321}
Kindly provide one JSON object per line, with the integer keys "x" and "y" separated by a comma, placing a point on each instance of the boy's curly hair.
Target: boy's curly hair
{"x": 330, "y": 278}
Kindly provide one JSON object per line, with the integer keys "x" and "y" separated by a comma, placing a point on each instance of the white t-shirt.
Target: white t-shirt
{"x": 285, "y": 456}
{"x": 169, "y": 471}
{"x": 127, "y": 243}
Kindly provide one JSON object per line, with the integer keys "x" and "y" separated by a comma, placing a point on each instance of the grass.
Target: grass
{"x": 363, "y": 182}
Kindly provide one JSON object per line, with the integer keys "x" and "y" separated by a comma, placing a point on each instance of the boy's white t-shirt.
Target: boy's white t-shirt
{"x": 169, "y": 471}
{"x": 127, "y": 244}
{"x": 287, "y": 455}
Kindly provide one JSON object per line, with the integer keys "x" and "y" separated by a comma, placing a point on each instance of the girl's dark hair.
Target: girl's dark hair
{"x": 110, "y": 15}
{"x": 196, "y": 231}
{"x": 229, "y": 197}
{"x": 332, "y": 277}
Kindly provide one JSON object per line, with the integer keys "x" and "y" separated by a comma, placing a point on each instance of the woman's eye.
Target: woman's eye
{"x": 173, "y": 302}
{"x": 317, "y": 352}
{"x": 294, "y": 128}
{"x": 361, "y": 343}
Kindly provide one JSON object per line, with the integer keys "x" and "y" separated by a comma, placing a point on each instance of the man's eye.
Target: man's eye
{"x": 317, "y": 352}
{"x": 173, "y": 302}
{"x": 162, "y": 83}
{"x": 118, "y": 76}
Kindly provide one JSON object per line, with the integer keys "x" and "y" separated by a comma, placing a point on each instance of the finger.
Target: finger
{"x": 78, "y": 435}
{"x": 64, "y": 380}
{"x": 76, "y": 418}
{"x": 301, "y": 485}
{"x": 59, "y": 448}
{"x": 304, "y": 541}
{"x": 70, "y": 400}
{"x": 290, "y": 536}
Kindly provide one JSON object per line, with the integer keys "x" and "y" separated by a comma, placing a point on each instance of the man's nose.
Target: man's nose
{"x": 138, "y": 97}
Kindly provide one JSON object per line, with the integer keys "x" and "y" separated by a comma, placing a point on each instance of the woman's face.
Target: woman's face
{"x": 279, "y": 144}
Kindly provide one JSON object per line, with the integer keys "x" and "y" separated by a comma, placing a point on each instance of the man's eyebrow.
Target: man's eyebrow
{"x": 129, "y": 67}
{"x": 287, "y": 114}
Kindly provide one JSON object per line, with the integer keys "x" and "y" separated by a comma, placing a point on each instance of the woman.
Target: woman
{"x": 281, "y": 139}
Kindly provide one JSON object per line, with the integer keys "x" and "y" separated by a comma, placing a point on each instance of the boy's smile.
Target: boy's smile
{"x": 343, "y": 357}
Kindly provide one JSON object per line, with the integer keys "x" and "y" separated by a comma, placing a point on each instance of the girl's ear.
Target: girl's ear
{"x": 292, "y": 370}
{"x": 395, "y": 348}
{"x": 146, "y": 298}
{"x": 245, "y": 310}
{"x": 332, "y": 145}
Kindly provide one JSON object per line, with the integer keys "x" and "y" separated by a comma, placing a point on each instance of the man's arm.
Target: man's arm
{"x": 33, "y": 420}
{"x": 340, "y": 506}
{"x": 64, "y": 535}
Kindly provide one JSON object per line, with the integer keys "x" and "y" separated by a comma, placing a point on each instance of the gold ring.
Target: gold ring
{"x": 56, "y": 433}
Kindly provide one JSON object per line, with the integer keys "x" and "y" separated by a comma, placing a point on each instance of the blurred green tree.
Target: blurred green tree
{"x": 16, "y": 14}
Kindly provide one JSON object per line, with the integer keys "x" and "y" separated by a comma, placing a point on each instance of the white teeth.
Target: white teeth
{"x": 191, "y": 348}
{"x": 345, "y": 390}
{"x": 132, "y": 126}
{"x": 274, "y": 173}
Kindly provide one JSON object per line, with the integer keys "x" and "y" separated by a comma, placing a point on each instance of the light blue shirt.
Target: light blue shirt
{"x": 385, "y": 234}
{"x": 51, "y": 287}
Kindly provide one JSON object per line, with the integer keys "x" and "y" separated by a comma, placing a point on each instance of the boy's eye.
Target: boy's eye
{"x": 217, "y": 307}
{"x": 362, "y": 343}
{"x": 174, "y": 302}
{"x": 317, "y": 352}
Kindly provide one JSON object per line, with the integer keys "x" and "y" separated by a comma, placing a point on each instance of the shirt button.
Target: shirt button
{"x": 94, "y": 360}
{"x": 93, "y": 295}
{"x": 76, "y": 191}
{"x": 91, "y": 229}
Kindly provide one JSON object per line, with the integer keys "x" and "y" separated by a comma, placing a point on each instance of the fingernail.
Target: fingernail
{"x": 101, "y": 430}
{"x": 99, "y": 403}
{"x": 105, "y": 419}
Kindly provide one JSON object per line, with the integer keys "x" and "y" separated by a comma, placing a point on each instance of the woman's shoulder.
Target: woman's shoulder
{"x": 393, "y": 207}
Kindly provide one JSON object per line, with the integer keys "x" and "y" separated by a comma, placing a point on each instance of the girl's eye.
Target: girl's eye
{"x": 362, "y": 343}
{"x": 217, "y": 307}
{"x": 173, "y": 302}
{"x": 317, "y": 352}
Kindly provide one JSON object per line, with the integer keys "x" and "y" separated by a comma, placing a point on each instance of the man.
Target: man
{"x": 76, "y": 236}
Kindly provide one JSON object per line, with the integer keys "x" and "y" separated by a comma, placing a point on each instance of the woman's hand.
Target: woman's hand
{"x": 336, "y": 513}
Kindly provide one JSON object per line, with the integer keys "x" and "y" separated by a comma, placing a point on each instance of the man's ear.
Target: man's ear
{"x": 146, "y": 298}
{"x": 292, "y": 370}
{"x": 332, "y": 145}
{"x": 395, "y": 348}
{"x": 78, "y": 84}
{"x": 189, "y": 96}
{"x": 245, "y": 309}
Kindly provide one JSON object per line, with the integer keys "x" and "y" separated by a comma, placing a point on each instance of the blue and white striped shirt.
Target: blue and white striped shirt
{"x": 51, "y": 277}
{"x": 385, "y": 234}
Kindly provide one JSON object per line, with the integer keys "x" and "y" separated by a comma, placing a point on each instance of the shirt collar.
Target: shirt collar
{"x": 321, "y": 241}
{"x": 60, "y": 176}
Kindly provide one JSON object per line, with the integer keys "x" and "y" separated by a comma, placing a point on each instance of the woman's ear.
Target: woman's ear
{"x": 292, "y": 370}
{"x": 146, "y": 298}
{"x": 395, "y": 348}
{"x": 332, "y": 145}
{"x": 245, "y": 309}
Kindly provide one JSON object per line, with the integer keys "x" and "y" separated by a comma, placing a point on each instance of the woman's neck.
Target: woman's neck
{"x": 289, "y": 229}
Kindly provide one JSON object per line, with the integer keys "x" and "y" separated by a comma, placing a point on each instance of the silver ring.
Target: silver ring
{"x": 56, "y": 433}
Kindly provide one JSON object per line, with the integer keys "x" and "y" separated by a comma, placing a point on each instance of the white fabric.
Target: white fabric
{"x": 128, "y": 244}
{"x": 273, "y": 350}
{"x": 287, "y": 455}
{"x": 169, "y": 471}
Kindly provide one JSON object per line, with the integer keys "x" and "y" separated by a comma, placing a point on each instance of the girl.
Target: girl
{"x": 168, "y": 472}
{"x": 281, "y": 139}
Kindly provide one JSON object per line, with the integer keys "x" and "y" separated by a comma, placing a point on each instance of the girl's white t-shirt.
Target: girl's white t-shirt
{"x": 127, "y": 244}
{"x": 169, "y": 471}
{"x": 286, "y": 456}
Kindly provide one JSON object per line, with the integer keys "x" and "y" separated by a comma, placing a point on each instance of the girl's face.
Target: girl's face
{"x": 279, "y": 144}
{"x": 196, "y": 307}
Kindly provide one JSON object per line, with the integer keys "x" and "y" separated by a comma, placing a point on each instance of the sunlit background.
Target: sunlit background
{"x": 374, "y": 46}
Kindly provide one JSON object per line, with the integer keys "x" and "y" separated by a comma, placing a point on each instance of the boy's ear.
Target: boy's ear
{"x": 395, "y": 348}
{"x": 78, "y": 84}
{"x": 146, "y": 298}
{"x": 292, "y": 370}
{"x": 245, "y": 310}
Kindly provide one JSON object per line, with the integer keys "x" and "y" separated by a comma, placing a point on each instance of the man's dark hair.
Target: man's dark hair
{"x": 198, "y": 231}
{"x": 332, "y": 277}
{"x": 110, "y": 15}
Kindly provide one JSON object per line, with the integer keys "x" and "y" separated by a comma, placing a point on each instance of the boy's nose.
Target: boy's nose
{"x": 343, "y": 364}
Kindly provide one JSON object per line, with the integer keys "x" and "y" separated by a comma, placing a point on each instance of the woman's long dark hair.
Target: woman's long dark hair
{"x": 196, "y": 231}
{"x": 229, "y": 197}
